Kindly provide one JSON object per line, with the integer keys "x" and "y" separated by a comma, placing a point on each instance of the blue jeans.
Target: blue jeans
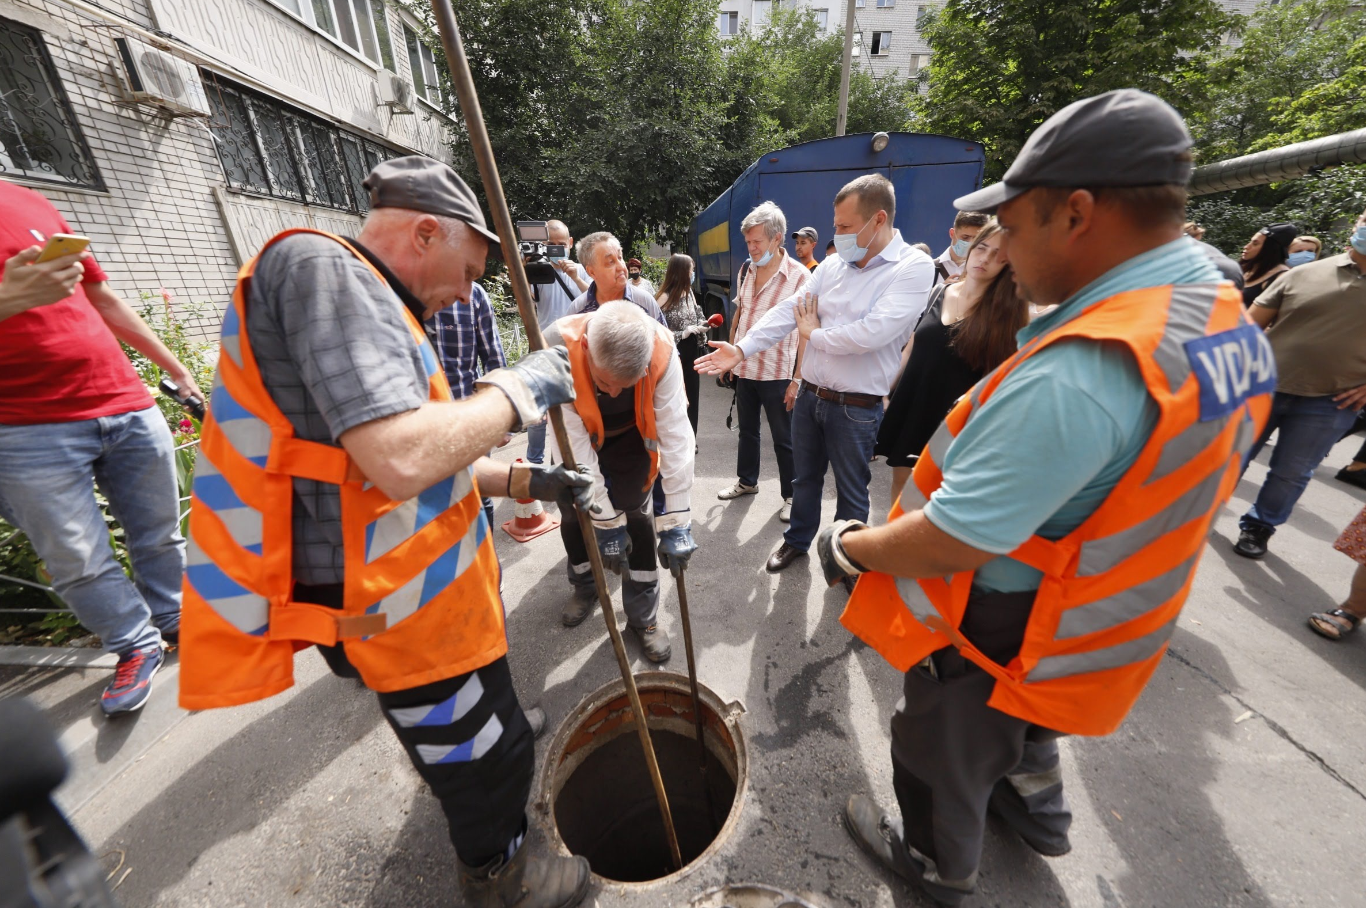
{"x": 1309, "y": 427}
{"x": 750, "y": 397}
{"x": 535, "y": 442}
{"x": 47, "y": 478}
{"x": 828, "y": 434}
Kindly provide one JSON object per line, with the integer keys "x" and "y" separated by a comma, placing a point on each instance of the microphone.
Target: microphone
{"x": 716, "y": 321}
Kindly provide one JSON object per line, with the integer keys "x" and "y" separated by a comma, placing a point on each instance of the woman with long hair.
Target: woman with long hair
{"x": 1264, "y": 259}
{"x": 685, "y": 321}
{"x": 967, "y": 330}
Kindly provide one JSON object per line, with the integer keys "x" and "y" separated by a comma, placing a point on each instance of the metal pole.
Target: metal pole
{"x": 843, "y": 114}
{"x": 463, "y": 81}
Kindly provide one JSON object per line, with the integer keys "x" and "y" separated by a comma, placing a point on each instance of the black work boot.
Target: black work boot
{"x": 526, "y": 882}
{"x": 579, "y": 606}
{"x": 654, "y": 642}
{"x": 880, "y": 835}
{"x": 1252, "y": 542}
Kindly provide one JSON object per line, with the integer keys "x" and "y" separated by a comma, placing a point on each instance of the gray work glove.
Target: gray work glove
{"x": 676, "y": 546}
{"x": 835, "y": 562}
{"x": 556, "y": 483}
{"x": 614, "y": 545}
{"x": 535, "y": 383}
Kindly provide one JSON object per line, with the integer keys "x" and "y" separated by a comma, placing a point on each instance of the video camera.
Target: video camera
{"x": 537, "y": 253}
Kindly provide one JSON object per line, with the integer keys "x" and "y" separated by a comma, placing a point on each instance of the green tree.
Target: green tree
{"x": 1001, "y": 67}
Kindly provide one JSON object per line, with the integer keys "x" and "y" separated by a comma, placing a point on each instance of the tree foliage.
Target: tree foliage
{"x": 1001, "y": 67}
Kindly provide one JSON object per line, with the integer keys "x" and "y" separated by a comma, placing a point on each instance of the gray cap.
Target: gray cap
{"x": 809, "y": 233}
{"x": 425, "y": 184}
{"x": 1121, "y": 138}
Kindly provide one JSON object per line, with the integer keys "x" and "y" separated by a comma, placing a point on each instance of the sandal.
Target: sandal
{"x": 1335, "y": 624}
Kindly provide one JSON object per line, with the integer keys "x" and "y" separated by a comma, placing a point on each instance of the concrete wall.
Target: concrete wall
{"x": 165, "y": 217}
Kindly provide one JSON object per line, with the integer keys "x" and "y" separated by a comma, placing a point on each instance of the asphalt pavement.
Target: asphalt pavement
{"x": 1236, "y": 781}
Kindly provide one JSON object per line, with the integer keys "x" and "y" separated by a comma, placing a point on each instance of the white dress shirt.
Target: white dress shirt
{"x": 952, "y": 268}
{"x": 867, "y": 315}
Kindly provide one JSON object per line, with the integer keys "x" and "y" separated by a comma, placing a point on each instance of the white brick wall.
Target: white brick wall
{"x": 164, "y": 216}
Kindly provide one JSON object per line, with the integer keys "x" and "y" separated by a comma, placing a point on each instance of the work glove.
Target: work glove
{"x": 614, "y": 545}
{"x": 565, "y": 487}
{"x": 835, "y": 562}
{"x": 535, "y": 383}
{"x": 676, "y": 546}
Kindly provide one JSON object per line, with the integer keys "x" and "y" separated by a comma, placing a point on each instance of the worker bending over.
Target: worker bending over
{"x": 1033, "y": 570}
{"x": 336, "y": 503}
{"x": 628, "y": 425}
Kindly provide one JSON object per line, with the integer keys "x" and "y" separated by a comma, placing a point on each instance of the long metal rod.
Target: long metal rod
{"x": 463, "y": 81}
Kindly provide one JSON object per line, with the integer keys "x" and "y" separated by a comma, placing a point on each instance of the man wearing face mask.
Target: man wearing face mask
{"x": 855, "y": 314}
{"x": 948, "y": 266}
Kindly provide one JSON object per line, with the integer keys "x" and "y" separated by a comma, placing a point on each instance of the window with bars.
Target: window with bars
{"x": 39, "y": 136}
{"x": 882, "y": 44}
{"x": 422, "y": 62}
{"x": 268, "y": 147}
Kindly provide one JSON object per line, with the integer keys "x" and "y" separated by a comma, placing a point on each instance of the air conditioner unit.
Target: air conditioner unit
{"x": 396, "y": 93}
{"x": 155, "y": 77}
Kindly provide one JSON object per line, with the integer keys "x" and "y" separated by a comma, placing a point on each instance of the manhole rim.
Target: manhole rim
{"x": 728, "y": 713}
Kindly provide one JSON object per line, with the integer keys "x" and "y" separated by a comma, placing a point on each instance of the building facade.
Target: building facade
{"x": 180, "y": 135}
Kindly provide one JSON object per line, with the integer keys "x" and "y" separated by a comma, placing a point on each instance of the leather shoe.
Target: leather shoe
{"x": 578, "y": 607}
{"x": 780, "y": 559}
{"x": 1252, "y": 542}
{"x": 880, "y": 835}
{"x": 1351, "y": 477}
{"x": 654, "y": 642}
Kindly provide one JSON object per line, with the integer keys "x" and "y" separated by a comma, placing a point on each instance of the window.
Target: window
{"x": 728, "y": 23}
{"x": 423, "y": 65}
{"x": 882, "y": 43}
{"x": 885, "y": 4}
{"x": 386, "y": 45}
{"x": 268, "y": 147}
{"x": 858, "y": 5}
{"x": 39, "y": 136}
{"x": 919, "y": 62}
{"x": 823, "y": 19}
{"x": 359, "y": 24}
{"x": 921, "y": 14}
{"x": 858, "y": 43}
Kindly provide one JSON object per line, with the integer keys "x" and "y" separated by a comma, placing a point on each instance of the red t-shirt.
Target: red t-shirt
{"x": 58, "y": 363}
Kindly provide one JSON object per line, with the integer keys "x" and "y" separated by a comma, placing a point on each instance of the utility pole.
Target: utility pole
{"x": 843, "y": 114}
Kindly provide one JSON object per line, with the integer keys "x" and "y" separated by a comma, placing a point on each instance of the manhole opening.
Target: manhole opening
{"x": 605, "y": 805}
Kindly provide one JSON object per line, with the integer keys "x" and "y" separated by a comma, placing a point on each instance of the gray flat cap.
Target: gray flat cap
{"x": 1121, "y": 138}
{"x": 425, "y": 184}
{"x": 809, "y": 233}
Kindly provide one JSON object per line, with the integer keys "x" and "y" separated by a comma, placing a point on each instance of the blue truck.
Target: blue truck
{"x": 928, "y": 172}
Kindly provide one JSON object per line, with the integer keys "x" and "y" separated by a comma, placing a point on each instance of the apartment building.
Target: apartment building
{"x": 180, "y": 135}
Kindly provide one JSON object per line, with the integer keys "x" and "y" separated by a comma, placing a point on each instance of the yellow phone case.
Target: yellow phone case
{"x": 60, "y": 244}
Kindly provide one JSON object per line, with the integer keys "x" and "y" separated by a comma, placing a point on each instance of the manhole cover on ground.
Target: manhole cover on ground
{"x": 598, "y": 788}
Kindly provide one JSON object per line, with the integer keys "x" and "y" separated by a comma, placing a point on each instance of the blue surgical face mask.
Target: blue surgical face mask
{"x": 764, "y": 259}
{"x": 846, "y": 245}
{"x": 1359, "y": 239}
{"x": 1303, "y": 257}
{"x": 960, "y": 247}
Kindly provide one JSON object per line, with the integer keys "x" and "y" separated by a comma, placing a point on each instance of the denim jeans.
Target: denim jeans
{"x": 1309, "y": 427}
{"x": 47, "y": 478}
{"x": 750, "y": 397}
{"x": 535, "y": 442}
{"x": 825, "y": 434}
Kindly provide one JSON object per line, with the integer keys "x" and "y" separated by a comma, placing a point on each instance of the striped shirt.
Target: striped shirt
{"x": 464, "y": 337}
{"x": 778, "y": 361}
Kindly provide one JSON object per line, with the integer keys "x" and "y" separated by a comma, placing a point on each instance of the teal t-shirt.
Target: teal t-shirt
{"x": 1045, "y": 450}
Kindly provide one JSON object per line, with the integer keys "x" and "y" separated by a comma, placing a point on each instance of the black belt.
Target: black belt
{"x": 842, "y": 397}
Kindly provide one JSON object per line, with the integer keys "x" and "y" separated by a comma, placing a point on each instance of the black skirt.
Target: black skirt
{"x": 934, "y": 379}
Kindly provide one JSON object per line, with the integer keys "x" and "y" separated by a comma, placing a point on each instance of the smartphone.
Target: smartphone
{"x": 60, "y": 244}
{"x": 191, "y": 403}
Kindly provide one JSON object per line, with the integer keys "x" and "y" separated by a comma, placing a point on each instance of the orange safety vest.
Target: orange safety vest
{"x": 1113, "y": 587}
{"x": 420, "y": 583}
{"x": 574, "y": 330}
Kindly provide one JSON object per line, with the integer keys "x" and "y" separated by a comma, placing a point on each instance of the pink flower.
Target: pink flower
{"x": 186, "y": 426}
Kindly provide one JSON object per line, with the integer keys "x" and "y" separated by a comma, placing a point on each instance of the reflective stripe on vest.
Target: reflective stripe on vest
{"x": 1113, "y": 588}
{"x": 420, "y": 601}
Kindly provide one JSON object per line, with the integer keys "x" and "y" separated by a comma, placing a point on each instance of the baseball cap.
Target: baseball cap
{"x": 1121, "y": 138}
{"x": 809, "y": 233}
{"x": 425, "y": 184}
{"x": 1280, "y": 234}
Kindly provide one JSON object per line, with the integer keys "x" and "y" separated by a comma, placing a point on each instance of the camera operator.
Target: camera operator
{"x": 553, "y": 302}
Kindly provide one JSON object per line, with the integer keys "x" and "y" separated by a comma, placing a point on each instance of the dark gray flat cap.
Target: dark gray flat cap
{"x": 809, "y": 233}
{"x": 1121, "y": 138}
{"x": 425, "y": 184}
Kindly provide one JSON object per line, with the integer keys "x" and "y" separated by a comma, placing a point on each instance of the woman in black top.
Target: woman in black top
{"x": 967, "y": 330}
{"x": 1264, "y": 259}
{"x": 685, "y": 320}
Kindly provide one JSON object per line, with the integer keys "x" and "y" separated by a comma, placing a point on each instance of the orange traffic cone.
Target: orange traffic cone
{"x": 529, "y": 520}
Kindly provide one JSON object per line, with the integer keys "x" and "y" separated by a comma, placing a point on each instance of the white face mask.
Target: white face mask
{"x": 847, "y": 247}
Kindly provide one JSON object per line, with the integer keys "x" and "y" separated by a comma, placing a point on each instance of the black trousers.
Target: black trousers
{"x": 750, "y": 397}
{"x": 951, "y": 753}
{"x": 469, "y": 741}
{"x": 688, "y": 350}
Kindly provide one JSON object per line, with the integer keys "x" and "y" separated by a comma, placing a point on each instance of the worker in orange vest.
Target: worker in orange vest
{"x": 1030, "y": 577}
{"x": 336, "y": 503}
{"x": 629, "y": 426}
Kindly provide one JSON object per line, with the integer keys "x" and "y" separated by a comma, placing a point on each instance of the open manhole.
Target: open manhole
{"x": 598, "y": 789}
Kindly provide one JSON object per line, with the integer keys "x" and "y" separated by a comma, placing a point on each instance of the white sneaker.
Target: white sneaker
{"x": 785, "y": 512}
{"x": 736, "y": 491}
